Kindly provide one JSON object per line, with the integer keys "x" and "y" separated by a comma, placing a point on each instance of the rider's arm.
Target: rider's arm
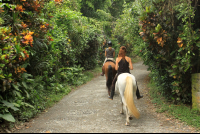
{"x": 116, "y": 65}
{"x": 105, "y": 53}
{"x": 130, "y": 64}
{"x": 114, "y": 54}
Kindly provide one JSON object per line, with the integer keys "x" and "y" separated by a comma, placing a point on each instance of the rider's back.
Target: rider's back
{"x": 109, "y": 52}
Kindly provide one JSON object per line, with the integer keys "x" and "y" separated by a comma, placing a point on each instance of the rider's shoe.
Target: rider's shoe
{"x": 110, "y": 97}
{"x": 141, "y": 96}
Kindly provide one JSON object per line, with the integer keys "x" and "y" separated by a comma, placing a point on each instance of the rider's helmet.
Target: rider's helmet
{"x": 109, "y": 43}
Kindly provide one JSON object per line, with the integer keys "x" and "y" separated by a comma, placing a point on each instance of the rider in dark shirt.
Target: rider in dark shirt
{"x": 109, "y": 54}
{"x": 123, "y": 65}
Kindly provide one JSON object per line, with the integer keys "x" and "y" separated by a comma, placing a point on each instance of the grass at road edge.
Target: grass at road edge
{"x": 182, "y": 112}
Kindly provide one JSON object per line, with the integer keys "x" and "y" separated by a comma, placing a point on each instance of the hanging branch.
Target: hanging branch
{"x": 196, "y": 4}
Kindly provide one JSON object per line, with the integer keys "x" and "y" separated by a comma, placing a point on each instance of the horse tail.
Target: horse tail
{"x": 110, "y": 77}
{"x": 128, "y": 95}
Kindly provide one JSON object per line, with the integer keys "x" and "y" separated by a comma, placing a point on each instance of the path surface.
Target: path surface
{"x": 88, "y": 110}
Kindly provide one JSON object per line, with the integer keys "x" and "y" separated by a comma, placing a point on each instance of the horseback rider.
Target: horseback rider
{"x": 109, "y": 54}
{"x": 123, "y": 65}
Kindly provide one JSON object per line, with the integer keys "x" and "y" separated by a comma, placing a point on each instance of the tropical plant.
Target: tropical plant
{"x": 171, "y": 45}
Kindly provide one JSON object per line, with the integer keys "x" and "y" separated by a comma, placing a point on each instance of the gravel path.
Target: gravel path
{"x": 88, "y": 110}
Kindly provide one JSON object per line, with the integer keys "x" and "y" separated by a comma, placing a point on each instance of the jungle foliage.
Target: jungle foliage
{"x": 45, "y": 47}
{"x": 165, "y": 33}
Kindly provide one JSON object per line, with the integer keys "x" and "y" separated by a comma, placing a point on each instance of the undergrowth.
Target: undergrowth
{"x": 182, "y": 112}
{"x": 49, "y": 98}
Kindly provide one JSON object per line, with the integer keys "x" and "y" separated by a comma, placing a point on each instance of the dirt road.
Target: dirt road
{"x": 88, "y": 110}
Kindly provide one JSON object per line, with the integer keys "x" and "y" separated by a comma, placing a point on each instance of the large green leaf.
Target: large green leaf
{"x": 27, "y": 94}
{"x": 7, "y": 117}
{"x": 29, "y": 105}
{"x": 9, "y": 105}
{"x": 1, "y": 76}
{"x": 24, "y": 84}
{"x": 17, "y": 93}
{"x": 16, "y": 87}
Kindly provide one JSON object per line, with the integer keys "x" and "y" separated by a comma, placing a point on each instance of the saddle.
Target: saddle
{"x": 110, "y": 60}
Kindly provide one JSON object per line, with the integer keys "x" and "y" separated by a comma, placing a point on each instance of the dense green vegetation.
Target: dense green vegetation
{"x": 165, "y": 34}
{"x": 182, "y": 112}
{"x": 47, "y": 44}
{"x": 169, "y": 42}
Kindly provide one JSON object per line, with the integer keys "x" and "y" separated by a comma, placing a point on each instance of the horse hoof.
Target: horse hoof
{"x": 121, "y": 112}
{"x": 127, "y": 124}
{"x": 141, "y": 96}
{"x": 130, "y": 118}
{"x": 110, "y": 98}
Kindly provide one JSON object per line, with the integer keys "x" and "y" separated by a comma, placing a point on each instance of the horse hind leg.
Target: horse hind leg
{"x": 127, "y": 117}
{"x": 108, "y": 85}
{"x": 109, "y": 79}
{"x": 130, "y": 117}
{"x": 122, "y": 110}
{"x": 108, "y": 93}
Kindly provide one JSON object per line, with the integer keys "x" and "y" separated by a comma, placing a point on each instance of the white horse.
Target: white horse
{"x": 127, "y": 88}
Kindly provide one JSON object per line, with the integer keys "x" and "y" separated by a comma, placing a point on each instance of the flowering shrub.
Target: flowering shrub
{"x": 171, "y": 47}
{"x": 20, "y": 25}
{"x": 165, "y": 34}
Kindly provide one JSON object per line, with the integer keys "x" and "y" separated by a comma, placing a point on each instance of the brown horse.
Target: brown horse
{"x": 110, "y": 72}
